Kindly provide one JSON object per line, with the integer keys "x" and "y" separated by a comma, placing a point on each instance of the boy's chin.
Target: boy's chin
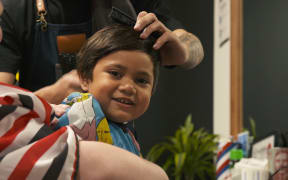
{"x": 121, "y": 118}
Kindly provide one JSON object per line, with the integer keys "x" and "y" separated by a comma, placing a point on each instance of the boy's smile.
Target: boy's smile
{"x": 122, "y": 83}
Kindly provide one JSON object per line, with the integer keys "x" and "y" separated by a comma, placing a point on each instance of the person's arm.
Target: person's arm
{"x": 177, "y": 47}
{"x": 10, "y": 55}
{"x": 193, "y": 47}
{"x": 103, "y": 161}
{"x": 56, "y": 92}
{"x": 7, "y": 77}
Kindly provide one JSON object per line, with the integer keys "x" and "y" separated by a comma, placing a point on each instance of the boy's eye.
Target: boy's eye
{"x": 142, "y": 81}
{"x": 115, "y": 74}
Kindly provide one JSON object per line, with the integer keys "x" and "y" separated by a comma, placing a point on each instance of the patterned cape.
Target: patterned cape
{"x": 31, "y": 149}
{"x": 88, "y": 121}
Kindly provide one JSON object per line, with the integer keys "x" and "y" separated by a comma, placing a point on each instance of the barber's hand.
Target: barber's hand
{"x": 59, "y": 109}
{"x": 55, "y": 93}
{"x": 69, "y": 83}
{"x": 172, "y": 51}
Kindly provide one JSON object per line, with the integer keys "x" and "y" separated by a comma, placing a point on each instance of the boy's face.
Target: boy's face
{"x": 122, "y": 83}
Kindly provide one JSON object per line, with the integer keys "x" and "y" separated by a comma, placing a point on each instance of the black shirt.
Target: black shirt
{"x": 19, "y": 19}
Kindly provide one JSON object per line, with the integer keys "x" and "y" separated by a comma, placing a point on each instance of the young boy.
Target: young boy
{"x": 120, "y": 72}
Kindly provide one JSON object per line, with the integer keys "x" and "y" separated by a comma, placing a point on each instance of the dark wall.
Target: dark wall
{"x": 266, "y": 64}
{"x": 182, "y": 92}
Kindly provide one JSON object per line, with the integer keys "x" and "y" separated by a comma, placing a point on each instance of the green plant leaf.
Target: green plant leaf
{"x": 253, "y": 127}
{"x": 186, "y": 132}
{"x": 190, "y": 152}
{"x": 179, "y": 160}
{"x": 178, "y": 177}
{"x": 155, "y": 152}
{"x": 168, "y": 163}
{"x": 176, "y": 141}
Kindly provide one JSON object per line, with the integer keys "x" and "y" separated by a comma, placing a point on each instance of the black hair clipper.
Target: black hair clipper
{"x": 121, "y": 17}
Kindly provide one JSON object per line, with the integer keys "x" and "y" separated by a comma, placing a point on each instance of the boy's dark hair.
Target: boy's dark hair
{"x": 111, "y": 39}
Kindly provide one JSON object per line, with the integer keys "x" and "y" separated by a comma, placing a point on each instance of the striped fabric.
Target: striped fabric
{"x": 29, "y": 148}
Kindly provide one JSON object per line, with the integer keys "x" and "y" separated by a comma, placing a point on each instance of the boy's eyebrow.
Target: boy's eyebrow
{"x": 143, "y": 73}
{"x": 117, "y": 66}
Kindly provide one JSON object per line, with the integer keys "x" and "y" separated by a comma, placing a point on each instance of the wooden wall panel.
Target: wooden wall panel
{"x": 236, "y": 66}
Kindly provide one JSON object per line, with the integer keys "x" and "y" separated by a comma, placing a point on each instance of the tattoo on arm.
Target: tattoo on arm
{"x": 194, "y": 47}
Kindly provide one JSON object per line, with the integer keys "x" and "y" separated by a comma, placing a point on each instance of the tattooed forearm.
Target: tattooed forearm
{"x": 194, "y": 47}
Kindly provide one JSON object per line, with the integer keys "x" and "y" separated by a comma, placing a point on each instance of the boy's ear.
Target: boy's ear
{"x": 84, "y": 84}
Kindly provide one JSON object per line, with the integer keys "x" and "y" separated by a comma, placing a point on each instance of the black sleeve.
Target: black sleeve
{"x": 16, "y": 31}
{"x": 160, "y": 9}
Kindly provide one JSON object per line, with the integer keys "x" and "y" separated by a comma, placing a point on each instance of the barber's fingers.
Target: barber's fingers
{"x": 144, "y": 19}
{"x": 156, "y": 26}
{"x": 164, "y": 38}
{"x": 59, "y": 109}
{"x": 141, "y": 14}
{"x": 139, "y": 23}
{"x": 149, "y": 23}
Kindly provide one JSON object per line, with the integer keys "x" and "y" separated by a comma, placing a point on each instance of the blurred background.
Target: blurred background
{"x": 181, "y": 92}
{"x": 265, "y": 60}
{"x": 265, "y": 73}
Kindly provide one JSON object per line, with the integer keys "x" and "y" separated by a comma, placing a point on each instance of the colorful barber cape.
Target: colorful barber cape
{"x": 88, "y": 121}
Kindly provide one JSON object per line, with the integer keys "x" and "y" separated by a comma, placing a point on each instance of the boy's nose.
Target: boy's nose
{"x": 128, "y": 88}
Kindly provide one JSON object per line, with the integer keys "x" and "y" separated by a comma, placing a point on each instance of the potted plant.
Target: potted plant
{"x": 189, "y": 154}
